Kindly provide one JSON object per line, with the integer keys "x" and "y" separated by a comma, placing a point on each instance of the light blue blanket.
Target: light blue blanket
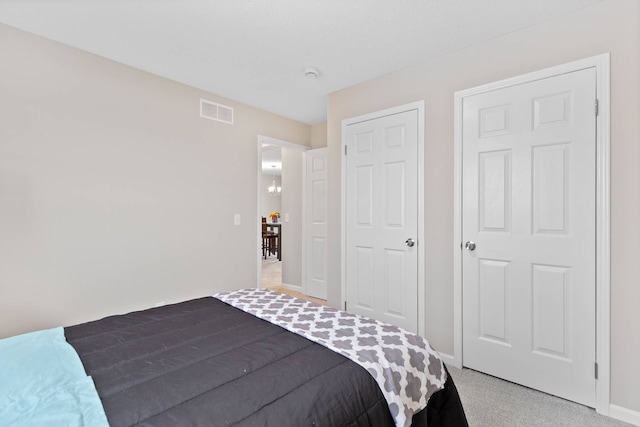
{"x": 43, "y": 383}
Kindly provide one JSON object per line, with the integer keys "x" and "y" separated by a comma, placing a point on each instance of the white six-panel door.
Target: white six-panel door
{"x": 316, "y": 223}
{"x": 381, "y": 215}
{"x": 529, "y": 188}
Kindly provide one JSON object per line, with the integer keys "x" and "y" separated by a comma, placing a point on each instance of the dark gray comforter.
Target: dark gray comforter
{"x": 205, "y": 363}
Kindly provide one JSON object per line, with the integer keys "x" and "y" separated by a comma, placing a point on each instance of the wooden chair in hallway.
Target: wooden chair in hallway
{"x": 269, "y": 240}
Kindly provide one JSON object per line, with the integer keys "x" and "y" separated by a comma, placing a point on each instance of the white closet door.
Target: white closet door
{"x": 529, "y": 188}
{"x": 381, "y": 217}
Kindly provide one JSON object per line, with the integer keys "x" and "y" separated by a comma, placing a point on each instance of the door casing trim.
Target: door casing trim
{"x": 419, "y": 106}
{"x": 601, "y": 63}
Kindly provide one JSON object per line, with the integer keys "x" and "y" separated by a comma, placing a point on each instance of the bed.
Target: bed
{"x": 242, "y": 359}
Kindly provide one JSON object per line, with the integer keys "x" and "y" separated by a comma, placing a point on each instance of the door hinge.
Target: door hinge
{"x": 596, "y": 370}
{"x": 597, "y": 107}
{"x": 345, "y": 150}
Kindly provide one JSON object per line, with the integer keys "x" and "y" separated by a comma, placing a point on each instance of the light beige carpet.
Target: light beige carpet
{"x": 492, "y": 402}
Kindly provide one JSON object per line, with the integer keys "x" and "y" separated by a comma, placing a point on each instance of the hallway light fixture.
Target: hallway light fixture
{"x": 273, "y": 189}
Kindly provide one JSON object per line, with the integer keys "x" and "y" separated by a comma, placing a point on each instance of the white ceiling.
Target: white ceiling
{"x": 272, "y": 160}
{"x": 256, "y": 51}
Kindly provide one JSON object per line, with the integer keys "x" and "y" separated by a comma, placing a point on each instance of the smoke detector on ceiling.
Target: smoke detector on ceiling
{"x": 311, "y": 72}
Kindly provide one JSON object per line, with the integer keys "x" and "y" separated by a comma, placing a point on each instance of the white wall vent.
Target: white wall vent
{"x": 213, "y": 111}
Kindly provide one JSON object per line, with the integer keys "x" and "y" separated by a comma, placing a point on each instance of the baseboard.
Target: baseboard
{"x": 296, "y": 288}
{"x": 624, "y": 414}
{"x": 447, "y": 359}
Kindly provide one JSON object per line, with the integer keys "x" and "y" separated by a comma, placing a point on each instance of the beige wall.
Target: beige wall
{"x": 319, "y": 135}
{"x": 610, "y": 26}
{"x": 292, "y": 181}
{"x": 114, "y": 193}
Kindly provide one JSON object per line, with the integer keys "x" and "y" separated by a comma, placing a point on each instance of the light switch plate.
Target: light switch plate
{"x": 286, "y": 217}
{"x": 236, "y": 219}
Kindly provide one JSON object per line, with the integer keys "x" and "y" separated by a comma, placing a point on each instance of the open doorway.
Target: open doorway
{"x": 282, "y": 266}
{"x": 271, "y": 225}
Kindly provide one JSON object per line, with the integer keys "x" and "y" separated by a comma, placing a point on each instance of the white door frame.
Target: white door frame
{"x": 282, "y": 144}
{"x": 419, "y": 106}
{"x": 603, "y": 261}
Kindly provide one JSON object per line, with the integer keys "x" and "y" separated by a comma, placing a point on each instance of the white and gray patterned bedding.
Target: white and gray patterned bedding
{"x": 406, "y": 368}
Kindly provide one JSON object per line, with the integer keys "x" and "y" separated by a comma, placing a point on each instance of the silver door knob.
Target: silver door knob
{"x": 409, "y": 242}
{"x": 470, "y": 246}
